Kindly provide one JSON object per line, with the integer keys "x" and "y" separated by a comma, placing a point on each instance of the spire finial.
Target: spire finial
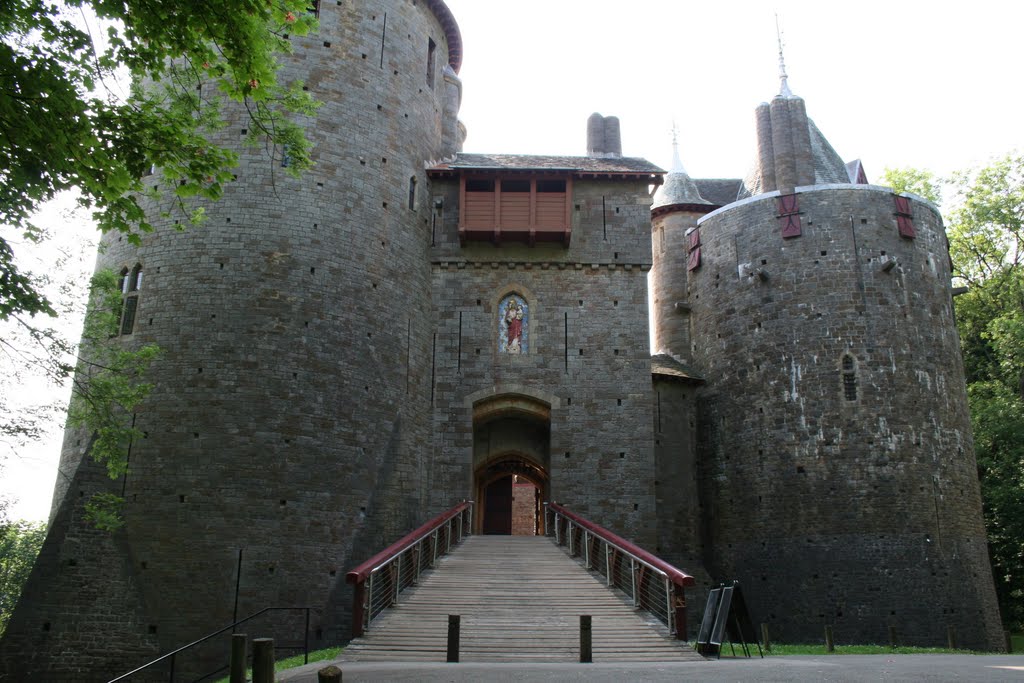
{"x": 677, "y": 163}
{"x": 784, "y": 90}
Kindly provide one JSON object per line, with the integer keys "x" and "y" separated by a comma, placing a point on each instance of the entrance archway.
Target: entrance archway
{"x": 511, "y": 456}
{"x": 510, "y": 490}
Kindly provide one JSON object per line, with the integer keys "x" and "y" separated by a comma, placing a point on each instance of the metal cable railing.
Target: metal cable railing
{"x": 650, "y": 582}
{"x": 169, "y": 660}
{"x": 379, "y": 581}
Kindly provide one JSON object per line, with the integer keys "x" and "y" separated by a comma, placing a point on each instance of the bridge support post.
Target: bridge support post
{"x": 454, "y": 625}
{"x": 679, "y": 608}
{"x": 586, "y": 639}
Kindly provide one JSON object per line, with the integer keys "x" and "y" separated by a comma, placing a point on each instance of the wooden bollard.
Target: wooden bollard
{"x": 951, "y": 636}
{"x": 765, "y": 638}
{"x": 1009, "y": 642}
{"x": 830, "y": 641}
{"x": 263, "y": 660}
{"x": 586, "y": 639}
{"x": 237, "y": 658}
{"x": 454, "y": 623}
{"x": 892, "y": 637}
{"x": 329, "y": 674}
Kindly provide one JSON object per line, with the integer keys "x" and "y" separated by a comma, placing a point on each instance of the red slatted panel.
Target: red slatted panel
{"x": 515, "y": 210}
{"x": 479, "y": 210}
{"x": 693, "y": 263}
{"x": 550, "y": 210}
{"x": 903, "y": 205}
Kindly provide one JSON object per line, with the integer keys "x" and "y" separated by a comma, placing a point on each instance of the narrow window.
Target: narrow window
{"x": 135, "y": 282}
{"x": 412, "y": 193}
{"x": 130, "y": 283}
{"x": 131, "y": 304}
{"x": 431, "y": 51}
{"x": 849, "y": 378}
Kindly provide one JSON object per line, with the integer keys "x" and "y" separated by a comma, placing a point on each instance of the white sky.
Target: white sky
{"x": 925, "y": 84}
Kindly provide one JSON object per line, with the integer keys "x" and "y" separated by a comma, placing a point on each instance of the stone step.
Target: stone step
{"x": 520, "y": 599}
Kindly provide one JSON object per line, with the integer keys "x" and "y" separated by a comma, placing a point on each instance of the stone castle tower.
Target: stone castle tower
{"x": 407, "y": 326}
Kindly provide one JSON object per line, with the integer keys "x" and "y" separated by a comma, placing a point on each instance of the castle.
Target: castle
{"x": 407, "y": 326}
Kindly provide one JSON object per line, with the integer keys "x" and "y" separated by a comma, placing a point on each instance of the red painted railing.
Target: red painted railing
{"x": 379, "y": 581}
{"x": 652, "y": 583}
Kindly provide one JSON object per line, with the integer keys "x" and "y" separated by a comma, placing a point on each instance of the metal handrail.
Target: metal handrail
{"x": 173, "y": 654}
{"x": 379, "y": 581}
{"x": 652, "y": 583}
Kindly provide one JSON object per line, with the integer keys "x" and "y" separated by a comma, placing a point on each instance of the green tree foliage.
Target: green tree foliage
{"x": 108, "y": 383}
{"x": 920, "y": 182}
{"x": 20, "y": 543}
{"x": 986, "y": 234}
{"x": 93, "y": 93}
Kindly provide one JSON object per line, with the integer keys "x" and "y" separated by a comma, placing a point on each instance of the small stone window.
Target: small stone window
{"x": 412, "y": 193}
{"x": 849, "y": 378}
{"x": 130, "y": 283}
{"x": 431, "y": 58}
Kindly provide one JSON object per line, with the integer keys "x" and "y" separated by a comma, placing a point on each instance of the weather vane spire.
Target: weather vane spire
{"x": 677, "y": 163}
{"x": 784, "y": 90}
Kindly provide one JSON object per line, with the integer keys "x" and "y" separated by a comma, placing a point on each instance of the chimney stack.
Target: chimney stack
{"x": 604, "y": 137}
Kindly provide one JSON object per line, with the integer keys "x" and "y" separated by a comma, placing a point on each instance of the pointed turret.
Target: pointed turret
{"x": 679, "y": 191}
{"x": 791, "y": 151}
{"x": 677, "y": 207}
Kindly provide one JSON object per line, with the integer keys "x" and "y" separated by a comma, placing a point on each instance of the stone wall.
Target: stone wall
{"x": 835, "y": 441}
{"x": 589, "y": 358}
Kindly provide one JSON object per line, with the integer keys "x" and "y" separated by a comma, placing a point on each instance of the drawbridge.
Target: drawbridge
{"x": 517, "y": 598}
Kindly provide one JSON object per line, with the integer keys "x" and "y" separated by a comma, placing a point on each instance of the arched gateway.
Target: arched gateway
{"x": 511, "y": 460}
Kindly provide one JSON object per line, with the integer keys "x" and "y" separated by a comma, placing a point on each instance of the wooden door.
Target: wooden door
{"x": 498, "y": 506}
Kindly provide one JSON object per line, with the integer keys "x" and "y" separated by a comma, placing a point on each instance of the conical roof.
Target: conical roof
{"x": 678, "y": 187}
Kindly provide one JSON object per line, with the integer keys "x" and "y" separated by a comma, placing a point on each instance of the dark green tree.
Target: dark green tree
{"x": 20, "y": 543}
{"x": 986, "y": 233}
{"x": 94, "y": 93}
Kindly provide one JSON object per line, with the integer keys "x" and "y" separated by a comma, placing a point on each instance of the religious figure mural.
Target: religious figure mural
{"x": 513, "y": 324}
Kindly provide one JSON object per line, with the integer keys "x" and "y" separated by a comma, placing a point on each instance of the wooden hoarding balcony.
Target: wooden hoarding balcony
{"x": 526, "y": 209}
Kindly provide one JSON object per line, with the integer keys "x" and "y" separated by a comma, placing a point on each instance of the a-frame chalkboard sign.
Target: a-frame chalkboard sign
{"x": 726, "y": 616}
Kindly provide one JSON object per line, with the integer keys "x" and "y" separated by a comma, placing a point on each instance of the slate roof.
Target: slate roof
{"x": 719, "y": 191}
{"x": 678, "y": 188}
{"x": 666, "y": 366}
{"x": 829, "y": 167}
{"x": 530, "y": 162}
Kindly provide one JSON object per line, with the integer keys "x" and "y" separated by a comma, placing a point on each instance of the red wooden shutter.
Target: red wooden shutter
{"x": 693, "y": 263}
{"x": 789, "y": 216}
{"x": 904, "y": 218}
{"x": 694, "y": 239}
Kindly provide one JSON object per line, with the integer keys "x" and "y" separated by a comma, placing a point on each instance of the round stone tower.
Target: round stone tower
{"x": 677, "y": 207}
{"x": 835, "y": 448}
{"x": 284, "y": 438}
